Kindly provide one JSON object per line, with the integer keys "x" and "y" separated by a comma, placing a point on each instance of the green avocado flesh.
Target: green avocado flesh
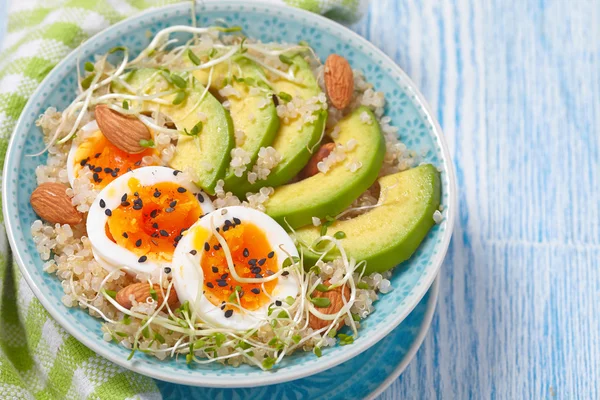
{"x": 294, "y": 139}
{"x": 389, "y": 234}
{"x": 328, "y": 194}
{"x": 258, "y": 121}
{"x": 208, "y": 152}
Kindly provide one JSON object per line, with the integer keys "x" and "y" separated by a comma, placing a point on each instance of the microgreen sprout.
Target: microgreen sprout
{"x": 193, "y": 57}
{"x": 195, "y": 131}
{"x": 285, "y": 96}
{"x": 88, "y": 66}
{"x": 147, "y": 143}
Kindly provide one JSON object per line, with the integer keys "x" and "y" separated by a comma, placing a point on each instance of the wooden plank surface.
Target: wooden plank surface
{"x": 515, "y": 85}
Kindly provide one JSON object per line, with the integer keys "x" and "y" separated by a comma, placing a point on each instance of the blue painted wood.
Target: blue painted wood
{"x": 516, "y": 88}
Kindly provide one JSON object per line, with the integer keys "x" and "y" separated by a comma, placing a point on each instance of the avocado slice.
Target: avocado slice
{"x": 207, "y": 153}
{"x": 295, "y": 139}
{"x": 328, "y": 194}
{"x": 389, "y": 234}
{"x": 249, "y": 113}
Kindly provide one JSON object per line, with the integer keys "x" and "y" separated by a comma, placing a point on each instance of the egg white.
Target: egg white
{"x": 188, "y": 276}
{"x": 109, "y": 253}
{"x": 90, "y": 127}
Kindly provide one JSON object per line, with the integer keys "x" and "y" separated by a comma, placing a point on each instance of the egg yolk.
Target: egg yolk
{"x": 252, "y": 257}
{"x": 151, "y": 221}
{"x": 105, "y": 160}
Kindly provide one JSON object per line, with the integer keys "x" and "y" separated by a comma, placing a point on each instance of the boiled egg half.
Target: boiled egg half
{"x": 139, "y": 219}
{"x": 255, "y": 246}
{"x": 101, "y": 162}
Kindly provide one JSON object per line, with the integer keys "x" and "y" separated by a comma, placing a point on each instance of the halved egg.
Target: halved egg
{"x": 258, "y": 247}
{"x": 91, "y": 151}
{"x": 138, "y": 219}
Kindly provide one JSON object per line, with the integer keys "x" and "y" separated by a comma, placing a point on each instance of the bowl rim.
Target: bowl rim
{"x": 241, "y": 381}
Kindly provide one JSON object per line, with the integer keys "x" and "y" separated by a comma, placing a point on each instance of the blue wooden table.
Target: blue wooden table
{"x": 516, "y": 88}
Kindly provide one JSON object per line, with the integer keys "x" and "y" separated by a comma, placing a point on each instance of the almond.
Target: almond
{"x": 51, "y": 203}
{"x": 311, "y": 168}
{"x": 141, "y": 292}
{"x": 123, "y": 131}
{"x": 339, "y": 81}
{"x": 335, "y": 298}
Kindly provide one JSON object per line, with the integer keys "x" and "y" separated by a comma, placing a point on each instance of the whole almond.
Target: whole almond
{"x": 124, "y": 131}
{"x": 141, "y": 292}
{"x": 335, "y": 298}
{"x": 51, "y": 203}
{"x": 339, "y": 81}
{"x": 311, "y": 168}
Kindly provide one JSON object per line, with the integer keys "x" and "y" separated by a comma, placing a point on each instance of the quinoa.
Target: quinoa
{"x": 268, "y": 158}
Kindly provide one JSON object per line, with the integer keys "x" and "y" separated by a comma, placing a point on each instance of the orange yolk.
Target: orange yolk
{"x": 152, "y": 222}
{"x": 252, "y": 257}
{"x": 105, "y": 160}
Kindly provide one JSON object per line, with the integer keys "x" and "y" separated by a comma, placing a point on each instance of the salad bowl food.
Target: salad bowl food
{"x": 224, "y": 200}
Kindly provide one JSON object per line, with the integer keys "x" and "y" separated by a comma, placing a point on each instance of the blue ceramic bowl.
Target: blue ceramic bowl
{"x": 267, "y": 22}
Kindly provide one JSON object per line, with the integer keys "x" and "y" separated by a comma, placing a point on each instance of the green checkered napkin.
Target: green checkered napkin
{"x": 38, "y": 359}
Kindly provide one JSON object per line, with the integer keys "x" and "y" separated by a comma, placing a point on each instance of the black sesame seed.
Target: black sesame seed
{"x": 108, "y": 170}
{"x": 169, "y": 209}
{"x": 221, "y": 283}
{"x": 222, "y": 305}
{"x": 138, "y": 243}
{"x": 258, "y": 276}
{"x": 252, "y": 261}
{"x": 269, "y": 272}
{"x": 125, "y": 204}
{"x": 138, "y": 163}
{"x": 224, "y": 276}
{"x": 102, "y": 203}
{"x": 167, "y": 270}
{"x": 154, "y": 235}
{"x": 176, "y": 172}
{"x": 271, "y": 254}
{"x": 113, "y": 174}
{"x": 285, "y": 273}
{"x": 164, "y": 233}
{"x": 155, "y": 225}
{"x": 156, "y": 193}
{"x": 98, "y": 169}
{"x": 178, "y": 238}
{"x": 278, "y": 303}
{"x": 83, "y": 162}
{"x": 142, "y": 259}
{"x": 256, "y": 270}
{"x": 210, "y": 285}
{"x": 125, "y": 235}
{"x": 95, "y": 177}
{"x": 137, "y": 206}
{"x": 138, "y": 201}
{"x": 255, "y": 290}
{"x": 91, "y": 167}
{"x": 97, "y": 155}
{"x": 136, "y": 194}
{"x": 181, "y": 189}
{"x": 227, "y": 222}
{"x": 262, "y": 261}
{"x": 153, "y": 213}
{"x": 225, "y": 228}
{"x": 215, "y": 269}
{"x": 124, "y": 197}
{"x": 206, "y": 246}
{"x": 200, "y": 198}
{"x": 217, "y": 247}
{"x": 193, "y": 252}
{"x": 218, "y": 229}
{"x": 228, "y": 313}
{"x": 117, "y": 169}
{"x": 173, "y": 203}
{"x": 246, "y": 253}
{"x": 236, "y": 220}
{"x": 154, "y": 242}
{"x": 108, "y": 212}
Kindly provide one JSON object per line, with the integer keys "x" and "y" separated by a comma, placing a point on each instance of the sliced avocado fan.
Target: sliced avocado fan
{"x": 390, "y": 233}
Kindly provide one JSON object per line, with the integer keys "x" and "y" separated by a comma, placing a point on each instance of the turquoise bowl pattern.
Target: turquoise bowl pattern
{"x": 267, "y": 22}
{"x": 362, "y": 377}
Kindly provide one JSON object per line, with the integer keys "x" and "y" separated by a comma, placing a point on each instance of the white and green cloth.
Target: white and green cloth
{"x": 38, "y": 359}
